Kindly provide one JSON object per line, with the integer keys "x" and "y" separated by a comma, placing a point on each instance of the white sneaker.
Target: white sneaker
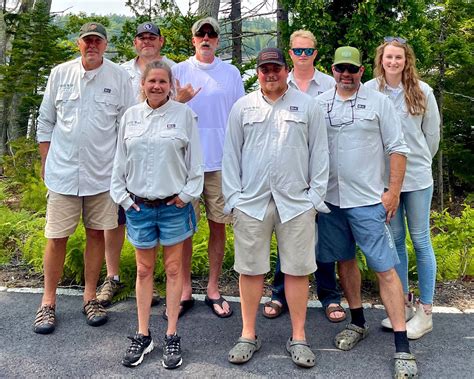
{"x": 420, "y": 324}
{"x": 409, "y": 314}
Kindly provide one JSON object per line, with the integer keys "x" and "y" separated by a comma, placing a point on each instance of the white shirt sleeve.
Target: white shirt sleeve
{"x": 47, "y": 111}
{"x": 431, "y": 123}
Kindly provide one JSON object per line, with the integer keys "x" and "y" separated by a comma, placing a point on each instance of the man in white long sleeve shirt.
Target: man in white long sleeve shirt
{"x": 213, "y": 87}
{"x": 148, "y": 42}
{"x": 77, "y": 133}
{"x": 275, "y": 171}
{"x": 362, "y": 127}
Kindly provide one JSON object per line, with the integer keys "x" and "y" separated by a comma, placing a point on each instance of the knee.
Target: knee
{"x": 144, "y": 271}
{"x": 94, "y": 234}
{"x": 389, "y": 277}
{"x": 173, "y": 270}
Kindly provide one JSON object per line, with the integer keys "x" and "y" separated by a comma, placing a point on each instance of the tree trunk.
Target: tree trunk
{"x": 282, "y": 25}
{"x": 440, "y": 90}
{"x": 209, "y": 8}
{"x": 236, "y": 20}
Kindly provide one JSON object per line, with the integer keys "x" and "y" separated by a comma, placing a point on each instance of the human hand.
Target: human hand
{"x": 186, "y": 93}
{"x": 390, "y": 202}
{"x": 176, "y": 201}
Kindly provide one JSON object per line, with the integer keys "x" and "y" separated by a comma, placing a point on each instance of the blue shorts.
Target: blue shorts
{"x": 163, "y": 224}
{"x": 340, "y": 231}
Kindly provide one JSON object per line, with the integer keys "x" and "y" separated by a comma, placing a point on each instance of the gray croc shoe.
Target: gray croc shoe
{"x": 301, "y": 353}
{"x": 243, "y": 350}
{"x": 350, "y": 336}
{"x": 405, "y": 366}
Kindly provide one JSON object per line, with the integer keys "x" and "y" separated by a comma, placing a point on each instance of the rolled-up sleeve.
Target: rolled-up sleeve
{"x": 231, "y": 161}
{"x": 193, "y": 157}
{"x": 319, "y": 159}
{"x": 391, "y": 130}
{"x": 47, "y": 111}
{"x": 431, "y": 123}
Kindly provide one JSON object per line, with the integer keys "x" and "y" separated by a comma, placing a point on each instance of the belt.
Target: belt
{"x": 151, "y": 203}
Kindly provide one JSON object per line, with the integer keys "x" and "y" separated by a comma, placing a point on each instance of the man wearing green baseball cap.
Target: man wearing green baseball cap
{"x": 365, "y": 140}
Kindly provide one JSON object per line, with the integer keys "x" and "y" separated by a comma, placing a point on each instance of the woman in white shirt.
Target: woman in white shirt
{"x": 396, "y": 76}
{"x": 157, "y": 172}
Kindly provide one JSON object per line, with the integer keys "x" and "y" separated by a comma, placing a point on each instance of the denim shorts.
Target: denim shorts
{"x": 166, "y": 225}
{"x": 340, "y": 230}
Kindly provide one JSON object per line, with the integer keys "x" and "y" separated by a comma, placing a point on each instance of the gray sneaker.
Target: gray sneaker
{"x": 108, "y": 290}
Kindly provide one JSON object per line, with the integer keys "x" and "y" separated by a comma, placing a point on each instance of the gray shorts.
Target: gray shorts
{"x": 296, "y": 241}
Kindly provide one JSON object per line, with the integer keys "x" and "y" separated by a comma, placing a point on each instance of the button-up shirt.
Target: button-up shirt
{"x": 275, "y": 149}
{"x": 319, "y": 84}
{"x": 361, "y": 129}
{"x": 422, "y": 134}
{"x": 79, "y": 116}
{"x": 133, "y": 70}
{"x": 158, "y": 154}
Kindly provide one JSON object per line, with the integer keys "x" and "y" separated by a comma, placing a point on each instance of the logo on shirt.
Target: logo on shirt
{"x": 171, "y": 126}
{"x": 66, "y": 87}
{"x": 107, "y": 90}
{"x": 361, "y": 106}
{"x": 293, "y": 108}
{"x": 133, "y": 123}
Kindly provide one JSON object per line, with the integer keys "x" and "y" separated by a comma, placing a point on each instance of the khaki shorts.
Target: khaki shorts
{"x": 296, "y": 242}
{"x": 63, "y": 213}
{"x": 213, "y": 199}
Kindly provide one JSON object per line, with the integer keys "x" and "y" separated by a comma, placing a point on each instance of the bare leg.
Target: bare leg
{"x": 144, "y": 287}
{"x": 186, "y": 269}
{"x": 391, "y": 292}
{"x": 174, "y": 283}
{"x": 53, "y": 263}
{"x": 251, "y": 288}
{"x": 93, "y": 260}
{"x": 296, "y": 290}
{"x": 113, "y": 247}
{"x": 216, "y": 249}
{"x": 349, "y": 276}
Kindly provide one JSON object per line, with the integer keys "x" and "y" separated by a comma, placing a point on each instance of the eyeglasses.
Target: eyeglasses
{"x": 298, "y": 51}
{"x": 202, "y": 34}
{"x": 389, "y": 39}
{"x": 330, "y": 106}
{"x": 349, "y": 67}
{"x": 268, "y": 69}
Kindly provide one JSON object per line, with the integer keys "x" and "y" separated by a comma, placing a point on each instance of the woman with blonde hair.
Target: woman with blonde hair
{"x": 397, "y": 77}
{"x": 157, "y": 171}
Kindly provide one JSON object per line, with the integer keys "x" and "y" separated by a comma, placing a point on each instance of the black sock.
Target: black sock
{"x": 401, "y": 342}
{"x": 357, "y": 316}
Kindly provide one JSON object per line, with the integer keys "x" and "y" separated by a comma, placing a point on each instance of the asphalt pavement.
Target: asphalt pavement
{"x": 78, "y": 350}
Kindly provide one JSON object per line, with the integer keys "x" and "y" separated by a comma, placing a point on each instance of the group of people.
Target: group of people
{"x": 326, "y": 163}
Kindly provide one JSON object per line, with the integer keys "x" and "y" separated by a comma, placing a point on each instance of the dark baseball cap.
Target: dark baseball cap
{"x": 148, "y": 27}
{"x": 93, "y": 29}
{"x": 271, "y": 55}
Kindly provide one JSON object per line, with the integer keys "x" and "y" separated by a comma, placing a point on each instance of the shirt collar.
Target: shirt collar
{"x": 271, "y": 102}
{"x": 316, "y": 77}
{"x": 159, "y": 111}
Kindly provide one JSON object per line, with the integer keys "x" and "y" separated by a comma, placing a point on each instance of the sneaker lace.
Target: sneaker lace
{"x": 136, "y": 344}
{"x": 94, "y": 308}
{"x": 47, "y": 314}
{"x": 172, "y": 345}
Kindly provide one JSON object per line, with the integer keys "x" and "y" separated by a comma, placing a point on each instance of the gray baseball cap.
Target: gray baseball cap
{"x": 203, "y": 21}
{"x": 148, "y": 27}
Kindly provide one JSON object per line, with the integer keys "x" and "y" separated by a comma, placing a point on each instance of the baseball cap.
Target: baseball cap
{"x": 148, "y": 27}
{"x": 347, "y": 54}
{"x": 203, "y": 21}
{"x": 93, "y": 29}
{"x": 271, "y": 55}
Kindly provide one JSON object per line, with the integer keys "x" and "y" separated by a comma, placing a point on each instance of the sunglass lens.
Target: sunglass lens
{"x": 298, "y": 51}
{"x": 309, "y": 51}
{"x": 349, "y": 67}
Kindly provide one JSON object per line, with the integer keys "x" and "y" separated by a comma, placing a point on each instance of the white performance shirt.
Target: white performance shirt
{"x": 221, "y": 86}
{"x": 275, "y": 150}
{"x": 133, "y": 70}
{"x": 361, "y": 130}
{"x": 79, "y": 116}
{"x": 158, "y": 154}
{"x": 319, "y": 84}
{"x": 422, "y": 134}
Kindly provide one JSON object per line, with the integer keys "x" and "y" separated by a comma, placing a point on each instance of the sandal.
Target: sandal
{"x": 184, "y": 306}
{"x": 300, "y": 352}
{"x": 243, "y": 350}
{"x": 220, "y": 301}
{"x": 350, "y": 336}
{"x": 405, "y": 366}
{"x": 275, "y": 306}
{"x": 335, "y": 308}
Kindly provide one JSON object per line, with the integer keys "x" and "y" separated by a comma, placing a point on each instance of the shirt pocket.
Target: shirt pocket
{"x": 365, "y": 132}
{"x": 173, "y": 140}
{"x": 253, "y": 123}
{"x": 107, "y": 104}
{"x": 294, "y": 126}
{"x": 67, "y": 106}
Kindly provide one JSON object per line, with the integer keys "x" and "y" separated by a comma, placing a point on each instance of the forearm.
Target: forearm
{"x": 397, "y": 173}
{"x": 43, "y": 150}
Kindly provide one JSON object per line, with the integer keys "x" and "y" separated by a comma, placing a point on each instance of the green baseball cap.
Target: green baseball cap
{"x": 347, "y": 54}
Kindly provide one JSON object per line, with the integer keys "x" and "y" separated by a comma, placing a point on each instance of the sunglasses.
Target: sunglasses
{"x": 389, "y": 39}
{"x": 202, "y": 34}
{"x": 298, "y": 51}
{"x": 349, "y": 67}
